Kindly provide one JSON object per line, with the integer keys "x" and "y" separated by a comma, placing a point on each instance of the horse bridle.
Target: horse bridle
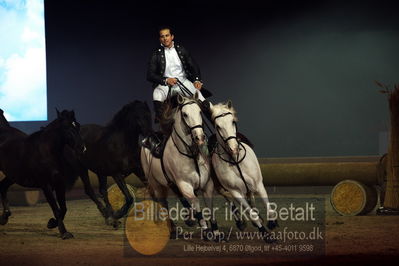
{"x": 225, "y": 140}
{"x": 189, "y": 129}
{"x": 193, "y": 154}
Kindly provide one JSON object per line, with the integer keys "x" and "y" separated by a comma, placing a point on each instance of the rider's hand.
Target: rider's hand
{"x": 198, "y": 85}
{"x": 171, "y": 81}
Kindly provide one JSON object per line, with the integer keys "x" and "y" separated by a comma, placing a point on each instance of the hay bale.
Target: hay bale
{"x": 350, "y": 198}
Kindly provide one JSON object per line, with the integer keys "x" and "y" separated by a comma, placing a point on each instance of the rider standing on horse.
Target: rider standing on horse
{"x": 170, "y": 66}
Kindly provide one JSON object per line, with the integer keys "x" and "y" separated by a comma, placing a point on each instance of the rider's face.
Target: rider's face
{"x": 166, "y": 38}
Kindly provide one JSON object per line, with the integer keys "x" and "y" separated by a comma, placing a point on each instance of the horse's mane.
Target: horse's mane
{"x": 168, "y": 114}
{"x": 55, "y": 124}
{"x": 220, "y": 108}
{"x": 119, "y": 119}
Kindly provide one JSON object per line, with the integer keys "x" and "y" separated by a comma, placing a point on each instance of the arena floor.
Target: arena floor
{"x": 25, "y": 240}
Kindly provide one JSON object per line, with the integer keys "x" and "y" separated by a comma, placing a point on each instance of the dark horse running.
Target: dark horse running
{"x": 114, "y": 150}
{"x": 39, "y": 161}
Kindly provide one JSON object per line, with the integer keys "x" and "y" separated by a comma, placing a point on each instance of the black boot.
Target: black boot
{"x": 206, "y": 110}
{"x": 158, "y": 110}
{"x": 153, "y": 142}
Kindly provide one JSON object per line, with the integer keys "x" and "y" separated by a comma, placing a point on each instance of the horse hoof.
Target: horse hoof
{"x": 219, "y": 237}
{"x": 112, "y": 222}
{"x": 272, "y": 224}
{"x": 52, "y": 223}
{"x": 173, "y": 235}
{"x": 241, "y": 225}
{"x": 209, "y": 235}
{"x": 268, "y": 239}
{"x": 66, "y": 235}
{"x": 4, "y": 217}
{"x": 3, "y": 220}
{"x": 267, "y": 236}
{"x": 116, "y": 224}
{"x": 189, "y": 222}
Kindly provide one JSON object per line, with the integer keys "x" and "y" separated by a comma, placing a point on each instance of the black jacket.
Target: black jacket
{"x": 157, "y": 64}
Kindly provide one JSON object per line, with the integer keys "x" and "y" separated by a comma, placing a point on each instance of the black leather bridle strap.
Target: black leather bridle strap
{"x": 232, "y": 161}
{"x": 184, "y": 121}
{"x": 217, "y": 130}
{"x": 184, "y": 89}
{"x": 192, "y": 155}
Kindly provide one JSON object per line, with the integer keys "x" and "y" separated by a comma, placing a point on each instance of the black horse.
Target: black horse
{"x": 6, "y": 131}
{"x": 114, "y": 150}
{"x": 39, "y": 160}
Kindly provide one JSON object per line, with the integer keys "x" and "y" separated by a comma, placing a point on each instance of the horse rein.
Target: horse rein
{"x": 185, "y": 122}
{"x": 185, "y": 90}
{"x": 230, "y": 137}
{"x": 190, "y": 129}
{"x": 225, "y": 140}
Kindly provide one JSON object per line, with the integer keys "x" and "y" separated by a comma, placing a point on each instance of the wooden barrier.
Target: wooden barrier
{"x": 299, "y": 171}
{"x": 319, "y": 171}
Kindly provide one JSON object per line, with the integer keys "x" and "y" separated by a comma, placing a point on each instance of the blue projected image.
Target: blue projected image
{"x": 23, "y": 91}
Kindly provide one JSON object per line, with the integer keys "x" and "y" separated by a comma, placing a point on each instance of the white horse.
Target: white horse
{"x": 183, "y": 165}
{"x": 237, "y": 167}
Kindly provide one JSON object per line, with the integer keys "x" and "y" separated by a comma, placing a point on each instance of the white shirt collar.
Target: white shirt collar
{"x": 173, "y": 46}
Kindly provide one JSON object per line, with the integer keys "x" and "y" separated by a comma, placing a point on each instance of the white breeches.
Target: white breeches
{"x": 161, "y": 91}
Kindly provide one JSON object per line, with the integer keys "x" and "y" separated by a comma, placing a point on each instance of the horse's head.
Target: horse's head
{"x": 189, "y": 116}
{"x": 225, "y": 119}
{"x": 70, "y": 130}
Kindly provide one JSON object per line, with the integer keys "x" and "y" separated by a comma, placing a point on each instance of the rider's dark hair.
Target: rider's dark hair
{"x": 165, "y": 27}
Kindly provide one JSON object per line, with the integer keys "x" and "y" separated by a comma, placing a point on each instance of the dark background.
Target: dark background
{"x": 300, "y": 74}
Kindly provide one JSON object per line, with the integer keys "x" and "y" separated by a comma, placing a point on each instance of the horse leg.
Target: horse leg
{"x": 89, "y": 191}
{"x": 253, "y": 215}
{"x": 58, "y": 214}
{"x": 271, "y": 215}
{"x": 4, "y": 185}
{"x": 187, "y": 191}
{"x": 138, "y": 171}
{"x": 252, "y": 203}
{"x": 251, "y": 199}
{"x": 160, "y": 195}
{"x": 60, "y": 194}
{"x": 109, "y": 218}
{"x": 240, "y": 223}
{"x": 208, "y": 196}
{"x": 128, "y": 198}
{"x": 188, "y": 219}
